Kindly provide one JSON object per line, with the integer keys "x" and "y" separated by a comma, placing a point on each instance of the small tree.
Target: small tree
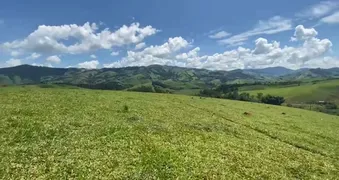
{"x": 275, "y": 100}
{"x": 259, "y": 96}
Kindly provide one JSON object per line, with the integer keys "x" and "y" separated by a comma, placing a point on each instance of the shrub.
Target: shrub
{"x": 274, "y": 100}
{"x": 125, "y": 109}
{"x": 331, "y": 105}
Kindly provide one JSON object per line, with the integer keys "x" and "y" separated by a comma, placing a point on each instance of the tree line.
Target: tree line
{"x": 227, "y": 91}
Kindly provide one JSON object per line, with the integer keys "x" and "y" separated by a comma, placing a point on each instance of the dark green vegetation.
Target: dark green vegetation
{"x": 60, "y": 133}
{"x": 231, "y": 91}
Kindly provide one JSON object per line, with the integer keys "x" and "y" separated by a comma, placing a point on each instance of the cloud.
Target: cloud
{"x": 140, "y": 46}
{"x": 115, "y": 53}
{"x": 152, "y": 54}
{"x": 15, "y": 53}
{"x": 319, "y": 10}
{"x": 49, "y": 39}
{"x": 219, "y": 35}
{"x": 13, "y": 62}
{"x": 331, "y": 19}
{"x": 311, "y": 51}
{"x": 93, "y": 56}
{"x": 301, "y": 33}
{"x": 33, "y": 56}
{"x": 89, "y": 64}
{"x": 53, "y": 59}
{"x": 42, "y": 65}
{"x": 272, "y": 26}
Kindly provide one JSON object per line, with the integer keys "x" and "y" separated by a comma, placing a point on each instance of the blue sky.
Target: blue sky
{"x": 216, "y": 34}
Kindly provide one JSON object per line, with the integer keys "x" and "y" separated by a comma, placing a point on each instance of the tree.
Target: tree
{"x": 244, "y": 97}
{"x": 275, "y": 100}
{"x": 259, "y": 96}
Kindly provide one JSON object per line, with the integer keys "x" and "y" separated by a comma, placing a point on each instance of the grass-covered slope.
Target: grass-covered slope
{"x": 320, "y": 91}
{"x": 75, "y": 133}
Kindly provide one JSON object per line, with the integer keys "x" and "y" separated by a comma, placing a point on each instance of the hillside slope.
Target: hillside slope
{"x": 75, "y": 133}
{"x": 320, "y": 91}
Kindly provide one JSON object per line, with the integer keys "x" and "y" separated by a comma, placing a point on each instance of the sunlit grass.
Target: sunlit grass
{"x": 75, "y": 133}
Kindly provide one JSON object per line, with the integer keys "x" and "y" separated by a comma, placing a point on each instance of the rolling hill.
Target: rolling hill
{"x": 54, "y": 133}
{"x": 153, "y": 77}
{"x": 319, "y": 91}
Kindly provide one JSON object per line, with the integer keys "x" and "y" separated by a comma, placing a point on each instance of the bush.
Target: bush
{"x": 274, "y": 100}
{"x": 331, "y": 105}
{"x": 125, "y": 109}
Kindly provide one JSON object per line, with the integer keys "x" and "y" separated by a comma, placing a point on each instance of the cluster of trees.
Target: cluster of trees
{"x": 232, "y": 92}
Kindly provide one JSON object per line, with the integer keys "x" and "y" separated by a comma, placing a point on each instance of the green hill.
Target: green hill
{"x": 161, "y": 78}
{"x": 319, "y": 91}
{"x": 60, "y": 133}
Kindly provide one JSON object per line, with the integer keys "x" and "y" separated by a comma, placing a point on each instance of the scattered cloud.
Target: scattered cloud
{"x": 318, "y": 10}
{"x": 331, "y": 19}
{"x": 115, "y": 53}
{"x": 13, "y": 62}
{"x": 93, "y": 56}
{"x": 301, "y": 33}
{"x": 311, "y": 52}
{"x": 219, "y": 35}
{"x": 42, "y": 65}
{"x": 15, "y": 53}
{"x": 33, "y": 56}
{"x": 140, "y": 46}
{"x": 152, "y": 54}
{"x": 272, "y": 26}
{"x": 53, "y": 59}
{"x": 49, "y": 39}
{"x": 89, "y": 64}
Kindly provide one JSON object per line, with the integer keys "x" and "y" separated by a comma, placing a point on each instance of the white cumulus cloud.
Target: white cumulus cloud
{"x": 53, "y": 59}
{"x": 312, "y": 51}
{"x": 33, "y": 56}
{"x": 13, "y": 62}
{"x": 49, "y": 39}
{"x": 140, "y": 46}
{"x": 89, "y": 64}
{"x": 93, "y": 56}
{"x": 15, "y": 53}
{"x": 115, "y": 53}
{"x": 152, "y": 54}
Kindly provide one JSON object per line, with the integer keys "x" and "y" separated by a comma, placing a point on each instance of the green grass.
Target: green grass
{"x": 51, "y": 133}
{"x": 321, "y": 91}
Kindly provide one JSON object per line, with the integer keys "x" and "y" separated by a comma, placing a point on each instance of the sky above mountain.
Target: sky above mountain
{"x": 216, "y": 35}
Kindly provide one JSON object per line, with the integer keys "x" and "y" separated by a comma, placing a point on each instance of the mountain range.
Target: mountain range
{"x": 155, "y": 77}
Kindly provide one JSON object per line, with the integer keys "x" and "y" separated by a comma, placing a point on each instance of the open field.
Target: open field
{"x": 321, "y": 91}
{"x": 60, "y": 133}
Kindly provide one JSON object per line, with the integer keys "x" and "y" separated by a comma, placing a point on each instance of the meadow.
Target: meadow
{"x": 319, "y": 91}
{"x": 62, "y": 133}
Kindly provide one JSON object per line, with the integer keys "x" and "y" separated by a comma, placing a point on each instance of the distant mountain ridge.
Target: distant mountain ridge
{"x": 271, "y": 71}
{"x": 154, "y": 77}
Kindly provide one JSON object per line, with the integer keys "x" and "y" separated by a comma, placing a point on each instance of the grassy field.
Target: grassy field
{"x": 321, "y": 91}
{"x": 52, "y": 133}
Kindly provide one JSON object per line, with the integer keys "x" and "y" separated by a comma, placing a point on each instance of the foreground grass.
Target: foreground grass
{"x": 75, "y": 133}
